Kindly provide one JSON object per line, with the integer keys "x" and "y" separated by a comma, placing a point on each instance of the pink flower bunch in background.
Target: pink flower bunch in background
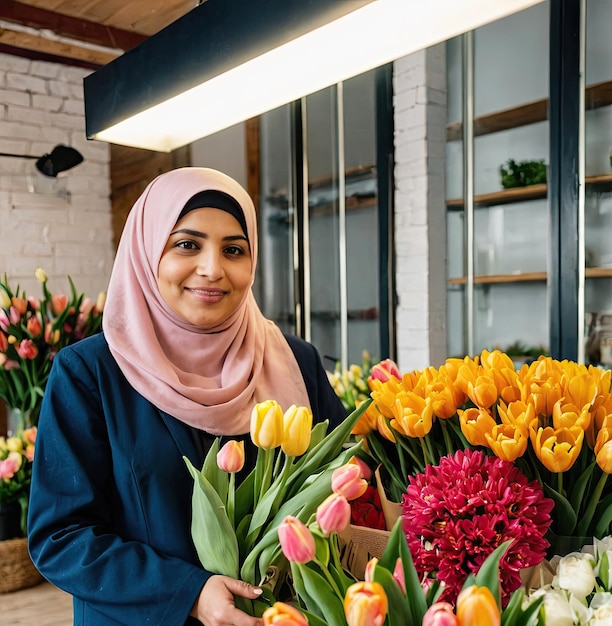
{"x": 32, "y": 331}
{"x": 456, "y": 513}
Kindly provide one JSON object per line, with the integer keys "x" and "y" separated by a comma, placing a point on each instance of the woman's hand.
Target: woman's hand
{"x": 215, "y": 605}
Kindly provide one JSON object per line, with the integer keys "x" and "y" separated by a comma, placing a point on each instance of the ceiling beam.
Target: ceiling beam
{"x": 76, "y": 40}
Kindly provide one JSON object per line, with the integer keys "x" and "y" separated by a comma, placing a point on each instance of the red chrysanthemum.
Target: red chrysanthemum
{"x": 456, "y": 513}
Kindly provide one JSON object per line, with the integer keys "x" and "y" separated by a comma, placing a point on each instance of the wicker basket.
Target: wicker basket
{"x": 16, "y": 568}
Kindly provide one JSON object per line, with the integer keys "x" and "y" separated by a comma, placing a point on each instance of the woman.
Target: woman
{"x": 184, "y": 355}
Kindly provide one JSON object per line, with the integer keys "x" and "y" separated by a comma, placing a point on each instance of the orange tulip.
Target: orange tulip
{"x": 281, "y": 614}
{"x": 365, "y": 604}
{"x": 476, "y": 606}
{"x": 413, "y": 415}
{"x": 483, "y": 392}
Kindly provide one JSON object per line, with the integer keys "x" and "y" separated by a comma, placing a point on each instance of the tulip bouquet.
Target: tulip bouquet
{"x": 391, "y": 593}
{"x": 16, "y": 457}
{"x": 552, "y": 419}
{"x": 32, "y": 331}
{"x": 235, "y": 527}
{"x": 580, "y": 591}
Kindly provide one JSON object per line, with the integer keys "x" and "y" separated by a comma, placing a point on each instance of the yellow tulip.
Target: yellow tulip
{"x": 267, "y": 425}
{"x": 508, "y": 441}
{"x": 367, "y": 422}
{"x": 14, "y": 444}
{"x": 5, "y": 301}
{"x": 382, "y": 426}
{"x": 483, "y": 392}
{"x": 365, "y": 604}
{"x": 566, "y": 415}
{"x": 475, "y": 424}
{"x": 384, "y": 394}
{"x": 558, "y": 449}
{"x": 413, "y": 415}
{"x": 476, "y": 606}
{"x": 603, "y": 450}
{"x": 297, "y": 422}
{"x": 41, "y": 275}
{"x": 516, "y": 413}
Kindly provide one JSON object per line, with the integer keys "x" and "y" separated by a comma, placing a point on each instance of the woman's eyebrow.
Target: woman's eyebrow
{"x": 201, "y": 235}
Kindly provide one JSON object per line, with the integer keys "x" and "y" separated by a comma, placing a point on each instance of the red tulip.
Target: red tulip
{"x": 297, "y": 542}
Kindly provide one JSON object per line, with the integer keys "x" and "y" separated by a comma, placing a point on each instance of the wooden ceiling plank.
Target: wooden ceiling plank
{"x": 52, "y": 47}
{"x": 65, "y": 25}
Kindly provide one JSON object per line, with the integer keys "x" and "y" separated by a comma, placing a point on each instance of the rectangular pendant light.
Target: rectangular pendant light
{"x": 230, "y": 60}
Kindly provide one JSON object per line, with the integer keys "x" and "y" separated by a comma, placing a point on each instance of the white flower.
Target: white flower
{"x": 575, "y": 574}
{"x": 557, "y": 609}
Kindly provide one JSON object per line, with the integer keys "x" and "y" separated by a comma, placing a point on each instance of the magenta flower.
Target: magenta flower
{"x": 456, "y": 513}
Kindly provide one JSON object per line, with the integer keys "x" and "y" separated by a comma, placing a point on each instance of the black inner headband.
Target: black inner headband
{"x": 213, "y": 199}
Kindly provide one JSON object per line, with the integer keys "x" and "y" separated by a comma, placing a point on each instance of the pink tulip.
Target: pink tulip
{"x": 440, "y": 614}
{"x": 334, "y": 514}
{"x": 297, "y": 542}
{"x": 14, "y": 316}
{"x": 34, "y": 303}
{"x": 368, "y": 574}
{"x": 27, "y": 349}
{"x": 398, "y": 575}
{"x": 384, "y": 370}
{"x": 347, "y": 481}
{"x": 366, "y": 471}
{"x": 10, "y": 466}
{"x": 231, "y": 457}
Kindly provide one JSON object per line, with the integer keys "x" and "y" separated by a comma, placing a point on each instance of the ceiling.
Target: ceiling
{"x": 87, "y": 33}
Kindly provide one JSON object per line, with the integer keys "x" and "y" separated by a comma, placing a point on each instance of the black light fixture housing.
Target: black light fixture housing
{"x": 60, "y": 159}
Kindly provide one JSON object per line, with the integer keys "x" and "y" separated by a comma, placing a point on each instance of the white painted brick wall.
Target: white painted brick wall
{"x": 64, "y": 224}
{"x": 420, "y": 212}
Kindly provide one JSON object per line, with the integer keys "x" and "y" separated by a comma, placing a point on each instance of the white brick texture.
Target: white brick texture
{"x": 420, "y": 210}
{"x": 62, "y": 225}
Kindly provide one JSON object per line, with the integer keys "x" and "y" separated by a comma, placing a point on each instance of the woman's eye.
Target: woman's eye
{"x": 234, "y": 251}
{"x": 186, "y": 245}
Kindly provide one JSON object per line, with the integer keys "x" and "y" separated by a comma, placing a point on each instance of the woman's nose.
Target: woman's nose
{"x": 210, "y": 265}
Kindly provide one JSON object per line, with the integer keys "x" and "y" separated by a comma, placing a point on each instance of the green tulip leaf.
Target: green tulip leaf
{"x": 564, "y": 514}
{"x": 397, "y": 547}
{"x": 397, "y": 614}
{"x": 326, "y": 603}
{"x": 580, "y": 488}
{"x": 313, "y": 620}
{"x": 604, "y": 517}
{"x": 212, "y": 532}
{"x": 488, "y": 574}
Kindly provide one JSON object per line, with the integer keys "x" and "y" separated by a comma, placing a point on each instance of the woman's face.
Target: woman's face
{"x": 205, "y": 268}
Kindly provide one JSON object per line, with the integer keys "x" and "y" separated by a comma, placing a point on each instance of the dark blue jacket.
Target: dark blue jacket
{"x": 110, "y": 506}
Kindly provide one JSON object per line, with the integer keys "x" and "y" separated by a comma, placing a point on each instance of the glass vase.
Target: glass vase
{"x": 18, "y": 420}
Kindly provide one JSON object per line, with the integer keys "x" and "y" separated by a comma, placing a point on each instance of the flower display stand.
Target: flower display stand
{"x": 16, "y": 568}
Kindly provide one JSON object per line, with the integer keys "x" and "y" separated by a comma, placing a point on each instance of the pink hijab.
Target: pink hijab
{"x": 209, "y": 379}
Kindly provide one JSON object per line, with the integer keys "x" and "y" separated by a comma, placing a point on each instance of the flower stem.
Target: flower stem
{"x": 231, "y": 498}
{"x": 585, "y": 522}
